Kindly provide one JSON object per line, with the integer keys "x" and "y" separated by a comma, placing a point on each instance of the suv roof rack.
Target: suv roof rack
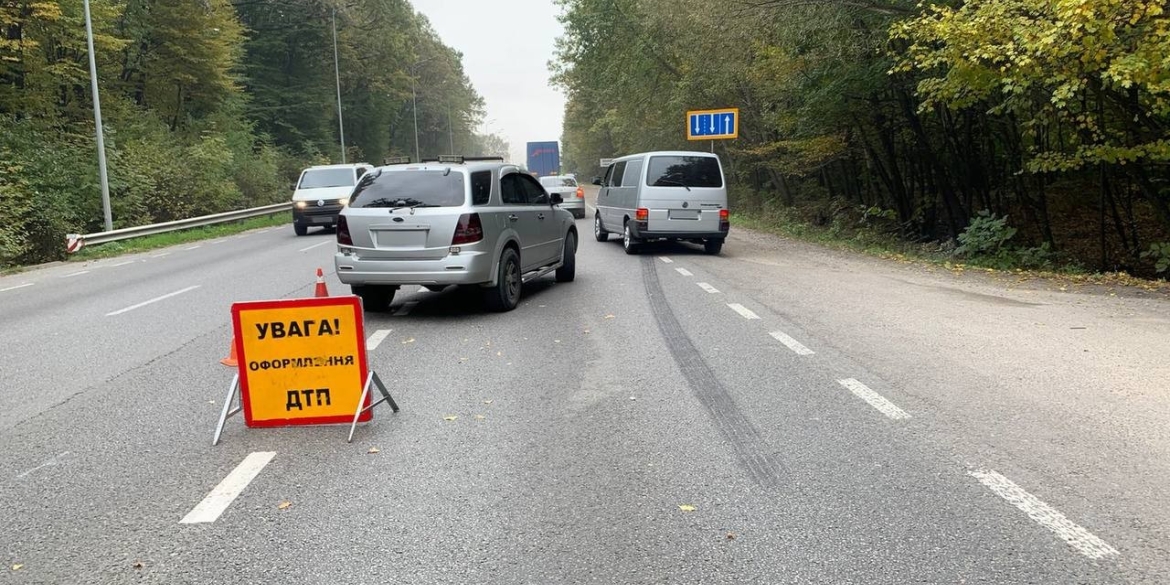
{"x": 460, "y": 159}
{"x": 396, "y": 160}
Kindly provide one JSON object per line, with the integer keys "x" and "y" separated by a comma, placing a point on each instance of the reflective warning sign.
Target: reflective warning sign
{"x": 301, "y": 361}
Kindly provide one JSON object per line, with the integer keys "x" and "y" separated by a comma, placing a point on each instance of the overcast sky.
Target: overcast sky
{"x": 506, "y": 47}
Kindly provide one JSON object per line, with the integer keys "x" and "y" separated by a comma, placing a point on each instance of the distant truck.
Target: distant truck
{"x": 544, "y": 158}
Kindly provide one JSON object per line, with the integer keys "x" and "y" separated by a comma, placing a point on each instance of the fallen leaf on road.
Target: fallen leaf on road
{"x": 633, "y": 398}
{"x": 609, "y": 316}
{"x": 686, "y": 508}
{"x": 479, "y": 417}
{"x": 411, "y": 340}
{"x": 487, "y": 401}
{"x": 557, "y": 340}
{"x": 730, "y": 536}
{"x": 138, "y": 564}
{"x": 374, "y": 450}
{"x": 285, "y": 505}
{"x": 17, "y": 567}
{"x": 452, "y": 417}
{"x": 499, "y": 353}
{"x": 586, "y": 331}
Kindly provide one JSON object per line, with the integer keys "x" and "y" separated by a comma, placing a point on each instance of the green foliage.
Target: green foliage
{"x": 1160, "y": 254}
{"x": 986, "y": 235}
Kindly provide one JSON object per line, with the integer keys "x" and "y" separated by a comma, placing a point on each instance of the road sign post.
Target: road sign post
{"x": 301, "y": 362}
{"x": 713, "y": 124}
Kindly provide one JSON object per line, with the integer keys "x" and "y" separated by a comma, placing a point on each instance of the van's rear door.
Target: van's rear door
{"x": 684, "y": 193}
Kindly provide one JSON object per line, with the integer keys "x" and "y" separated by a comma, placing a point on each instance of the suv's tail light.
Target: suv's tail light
{"x": 580, "y": 193}
{"x": 642, "y": 214}
{"x": 343, "y": 237}
{"x": 724, "y": 220}
{"x": 469, "y": 230}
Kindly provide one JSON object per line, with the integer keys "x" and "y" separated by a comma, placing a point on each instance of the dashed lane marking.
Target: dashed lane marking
{"x": 376, "y": 339}
{"x": 874, "y": 399}
{"x": 791, "y": 343}
{"x": 315, "y": 246}
{"x": 161, "y": 255}
{"x": 72, "y": 274}
{"x": 226, "y": 492}
{"x": 744, "y": 312}
{"x": 122, "y": 263}
{"x": 17, "y": 286}
{"x": 666, "y": 259}
{"x": 684, "y": 271}
{"x": 1075, "y": 535}
{"x": 708, "y": 288}
{"x": 196, "y": 247}
{"x": 151, "y": 301}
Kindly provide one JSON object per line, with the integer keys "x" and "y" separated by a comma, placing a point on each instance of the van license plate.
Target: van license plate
{"x": 684, "y": 214}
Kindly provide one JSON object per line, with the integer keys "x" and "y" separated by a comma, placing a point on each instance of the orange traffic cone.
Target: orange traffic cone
{"x": 230, "y": 360}
{"x": 321, "y": 290}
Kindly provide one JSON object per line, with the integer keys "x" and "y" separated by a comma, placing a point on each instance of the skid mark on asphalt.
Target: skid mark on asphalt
{"x": 1075, "y": 535}
{"x": 725, "y": 413}
{"x": 49, "y": 463}
{"x": 226, "y": 492}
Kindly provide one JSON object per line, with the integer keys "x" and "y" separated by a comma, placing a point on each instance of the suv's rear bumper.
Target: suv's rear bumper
{"x": 468, "y": 267}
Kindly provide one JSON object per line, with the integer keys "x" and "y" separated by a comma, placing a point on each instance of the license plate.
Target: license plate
{"x": 401, "y": 239}
{"x": 683, "y": 214}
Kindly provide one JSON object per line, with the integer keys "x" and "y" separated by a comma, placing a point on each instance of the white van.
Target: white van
{"x": 322, "y": 192}
{"x": 663, "y": 196}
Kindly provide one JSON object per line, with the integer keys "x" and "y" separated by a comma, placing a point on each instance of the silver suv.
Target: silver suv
{"x": 452, "y": 221}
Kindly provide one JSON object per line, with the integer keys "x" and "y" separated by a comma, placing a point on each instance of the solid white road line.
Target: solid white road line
{"x": 683, "y": 271}
{"x": 1075, "y": 535}
{"x": 214, "y": 242}
{"x": 745, "y": 312}
{"x": 405, "y": 309}
{"x": 79, "y": 273}
{"x": 17, "y": 286}
{"x": 665, "y": 259}
{"x": 51, "y": 462}
{"x": 792, "y": 344}
{"x": 196, "y": 247}
{"x": 874, "y": 399}
{"x": 315, "y": 246}
{"x": 222, "y": 496}
{"x": 154, "y": 300}
{"x": 376, "y": 339}
{"x": 161, "y": 255}
{"x": 122, "y": 263}
{"x": 708, "y": 288}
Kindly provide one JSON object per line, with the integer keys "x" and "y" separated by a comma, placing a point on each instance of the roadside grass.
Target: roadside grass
{"x": 146, "y": 243}
{"x": 874, "y": 243}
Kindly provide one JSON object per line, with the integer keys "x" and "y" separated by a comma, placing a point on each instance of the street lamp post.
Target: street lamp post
{"x": 414, "y": 101}
{"x": 337, "y": 78}
{"x": 97, "y": 119}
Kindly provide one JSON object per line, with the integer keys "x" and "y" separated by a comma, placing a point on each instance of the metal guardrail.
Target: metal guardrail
{"x": 75, "y": 242}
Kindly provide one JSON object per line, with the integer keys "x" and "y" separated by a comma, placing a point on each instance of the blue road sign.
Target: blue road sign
{"x": 713, "y": 124}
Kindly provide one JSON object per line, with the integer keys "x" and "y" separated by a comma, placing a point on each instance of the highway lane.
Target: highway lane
{"x": 606, "y": 405}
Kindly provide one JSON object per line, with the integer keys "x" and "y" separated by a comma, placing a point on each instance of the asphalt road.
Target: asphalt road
{"x": 777, "y": 414}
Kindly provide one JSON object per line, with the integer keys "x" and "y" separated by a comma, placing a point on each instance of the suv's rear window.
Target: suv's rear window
{"x": 323, "y": 178}
{"x": 443, "y": 188}
{"x": 691, "y": 171}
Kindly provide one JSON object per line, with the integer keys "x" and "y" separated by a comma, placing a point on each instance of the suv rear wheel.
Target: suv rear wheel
{"x": 505, "y": 295}
{"x": 375, "y": 299}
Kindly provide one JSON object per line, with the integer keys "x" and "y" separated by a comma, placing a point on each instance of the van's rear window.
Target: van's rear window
{"x": 679, "y": 171}
{"x": 410, "y": 189}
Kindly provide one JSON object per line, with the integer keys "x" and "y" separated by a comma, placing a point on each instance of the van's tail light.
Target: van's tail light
{"x": 642, "y": 214}
{"x": 343, "y": 236}
{"x": 724, "y": 220}
{"x": 580, "y": 193}
{"x": 468, "y": 231}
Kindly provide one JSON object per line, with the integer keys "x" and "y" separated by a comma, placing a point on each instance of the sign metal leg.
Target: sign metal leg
{"x": 228, "y": 411}
{"x": 371, "y": 380}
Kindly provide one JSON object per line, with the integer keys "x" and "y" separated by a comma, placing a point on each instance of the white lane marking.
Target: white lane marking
{"x": 51, "y": 462}
{"x": 122, "y": 263}
{"x": 222, "y": 496}
{"x": 874, "y": 399}
{"x": 214, "y": 242}
{"x": 196, "y": 247}
{"x": 684, "y": 271}
{"x": 792, "y": 344}
{"x": 154, "y": 300}
{"x": 376, "y": 339}
{"x": 405, "y": 310}
{"x": 315, "y": 246}
{"x": 17, "y": 286}
{"x": 161, "y": 255}
{"x": 708, "y": 288}
{"x": 78, "y": 273}
{"x": 745, "y": 312}
{"x": 665, "y": 259}
{"x": 1074, "y": 534}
